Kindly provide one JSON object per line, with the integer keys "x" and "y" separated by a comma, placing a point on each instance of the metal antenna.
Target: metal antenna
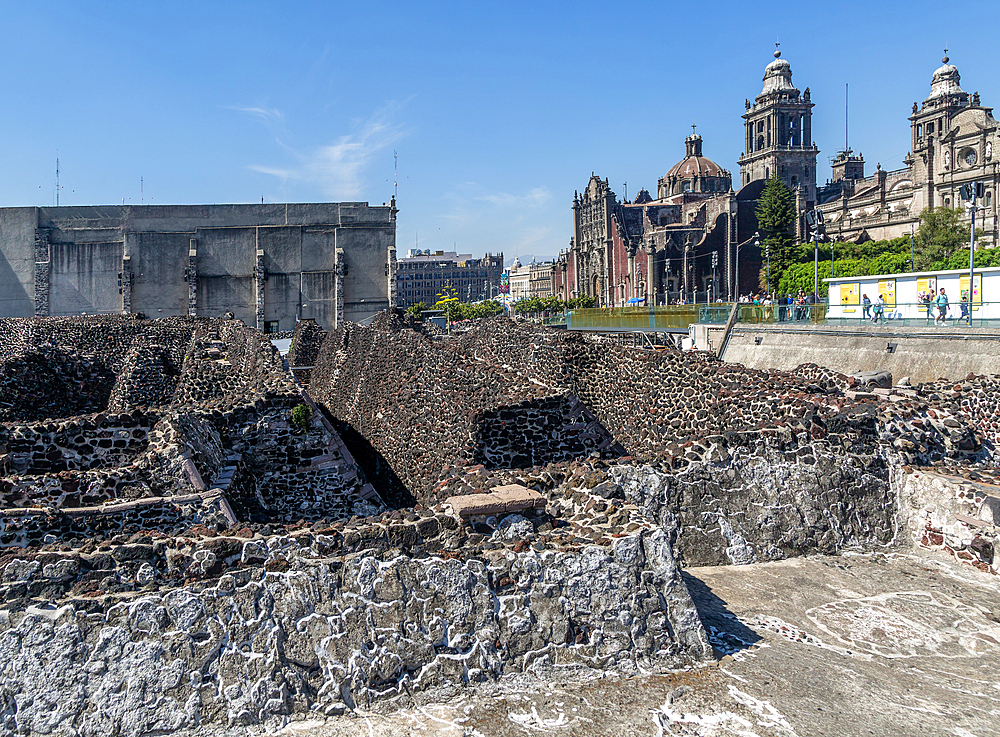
{"x": 395, "y": 173}
{"x": 847, "y": 138}
{"x": 57, "y": 177}
{"x": 142, "y": 195}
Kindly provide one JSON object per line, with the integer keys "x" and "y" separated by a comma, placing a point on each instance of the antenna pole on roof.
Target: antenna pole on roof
{"x": 847, "y": 138}
{"x": 57, "y": 178}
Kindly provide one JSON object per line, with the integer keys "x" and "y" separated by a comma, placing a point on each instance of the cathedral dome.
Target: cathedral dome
{"x": 945, "y": 81}
{"x": 694, "y": 164}
{"x": 694, "y": 173}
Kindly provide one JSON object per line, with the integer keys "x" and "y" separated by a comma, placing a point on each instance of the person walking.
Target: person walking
{"x": 941, "y": 302}
{"x": 866, "y": 306}
{"x": 966, "y": 312}
{"x": 925, "y": 300}
{"x": 879, "y": 311}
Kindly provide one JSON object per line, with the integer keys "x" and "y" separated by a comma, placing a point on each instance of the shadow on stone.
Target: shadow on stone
{"x": 726, "y": 633}
{"x": 376, "y": 468}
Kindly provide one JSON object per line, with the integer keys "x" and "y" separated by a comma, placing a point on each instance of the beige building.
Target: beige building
{"x": 953, "y": 139}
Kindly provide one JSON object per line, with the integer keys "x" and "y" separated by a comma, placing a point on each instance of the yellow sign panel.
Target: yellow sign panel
{"x": 850, "y": 294}
{"x": 927, "y": 284}
{"x": 887, "y": 289}
{"x": 977, "y": 290}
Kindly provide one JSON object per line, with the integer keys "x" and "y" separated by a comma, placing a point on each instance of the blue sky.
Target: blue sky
{"x": 498, "y": 111}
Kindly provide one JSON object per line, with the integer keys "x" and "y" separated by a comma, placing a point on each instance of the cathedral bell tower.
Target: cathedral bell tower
{"x": 778, "y": 127}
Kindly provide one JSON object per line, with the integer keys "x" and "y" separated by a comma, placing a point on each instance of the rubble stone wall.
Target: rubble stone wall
{"x": 327, "y": 634}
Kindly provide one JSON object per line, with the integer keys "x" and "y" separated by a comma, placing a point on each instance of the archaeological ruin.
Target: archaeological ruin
{"x": 199, "y": 533}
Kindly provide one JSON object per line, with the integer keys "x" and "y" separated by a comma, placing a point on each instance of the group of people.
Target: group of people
{"x": 790, "y": 307}
{"x": 939, "y": 302}
{"x": 935, "y": 305}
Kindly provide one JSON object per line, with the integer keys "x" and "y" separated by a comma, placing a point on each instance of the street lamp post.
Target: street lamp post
{"x": 767, "y": 277}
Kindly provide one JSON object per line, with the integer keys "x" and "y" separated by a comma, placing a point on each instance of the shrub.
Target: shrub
{"x": 301, "y": 414}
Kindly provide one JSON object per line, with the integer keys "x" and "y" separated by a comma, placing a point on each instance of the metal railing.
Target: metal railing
{"x": 673, "y": 318}
{"x": 919, "y": 314}
{"x": 677, "y": 318}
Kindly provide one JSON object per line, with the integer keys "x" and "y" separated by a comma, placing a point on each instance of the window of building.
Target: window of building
{"x": 271, "y": 326}
{"x": 930, "y": 127}
{"x": 686, "y": 186}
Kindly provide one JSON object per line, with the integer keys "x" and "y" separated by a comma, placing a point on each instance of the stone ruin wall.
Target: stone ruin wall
{"x": 755, "y": 465}
{"x": 406, "y": 407}
{"x": 181, "y": 609}
{"x": 166, "y": 632}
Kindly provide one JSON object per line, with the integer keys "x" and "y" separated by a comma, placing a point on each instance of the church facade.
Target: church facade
{"x": 694, "y": 239}
{"x": 953, "y": 142}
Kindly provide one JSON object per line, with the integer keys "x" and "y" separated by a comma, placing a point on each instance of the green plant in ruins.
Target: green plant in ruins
{"x": 301, "y": 414}
{"x": 775, "y": 216}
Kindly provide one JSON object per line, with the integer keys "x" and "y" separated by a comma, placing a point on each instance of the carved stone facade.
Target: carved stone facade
{"x": 954, "y": 140}
{"x": 653, "y": 251}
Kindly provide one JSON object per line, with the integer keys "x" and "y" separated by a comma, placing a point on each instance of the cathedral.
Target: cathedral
{"x": 695, "y": 240}
{"x": 953, "y": 138}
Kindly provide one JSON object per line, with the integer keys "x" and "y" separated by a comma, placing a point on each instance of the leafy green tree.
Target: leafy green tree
{"x": 775, "y": 216}
{"x": 584, "y": 301}
{"x": 416, "y": 309}
{"x": 959, "y": 259}
{"x": 941, "y": 234}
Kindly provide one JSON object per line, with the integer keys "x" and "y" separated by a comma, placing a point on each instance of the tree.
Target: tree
{"x": 941, "y": 234}
{"x": 775, "y": 216}
{"x": 448, "y": 301}
{"x": 416, "y": 309}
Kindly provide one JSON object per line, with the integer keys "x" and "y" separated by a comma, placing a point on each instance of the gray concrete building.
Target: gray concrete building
{"x": 266, "y": 264}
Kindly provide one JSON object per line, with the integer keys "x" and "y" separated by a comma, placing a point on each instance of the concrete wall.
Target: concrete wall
{"x": 17, "y": 261}
{"x": 848, "y": 349}
{"x": 113, "y": 258}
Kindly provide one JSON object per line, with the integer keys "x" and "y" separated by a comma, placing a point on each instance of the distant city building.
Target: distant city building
{"x": 421, "y": 276}
{"x": 520, "y": 281}
{"x": 267, "y": 265}
{"x": 954, "y": 141}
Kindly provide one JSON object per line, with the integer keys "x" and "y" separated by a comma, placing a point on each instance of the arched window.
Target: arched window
{"x": 795, "y": 181}
{"x": 988, "y": 198}
{"x": 686, "y": 185}
{"x": 767, "y": 173}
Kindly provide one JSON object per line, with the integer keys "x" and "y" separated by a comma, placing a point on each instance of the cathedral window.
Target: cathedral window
{"x": 930, "y": 127}
{"x": 920, "y": 132}
{"x": 686, "y": 186}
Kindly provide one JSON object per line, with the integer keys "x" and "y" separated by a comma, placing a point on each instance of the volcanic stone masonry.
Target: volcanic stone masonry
{"x": 194, "y": 534}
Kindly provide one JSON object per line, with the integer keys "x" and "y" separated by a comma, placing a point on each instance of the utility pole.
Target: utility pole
{"x": 972, "y": 191}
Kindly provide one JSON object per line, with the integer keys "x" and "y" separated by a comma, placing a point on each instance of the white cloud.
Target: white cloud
{"x": 337, "y": 168}
{"x": 533, "y": 198}
{"x": 264, "y": 113}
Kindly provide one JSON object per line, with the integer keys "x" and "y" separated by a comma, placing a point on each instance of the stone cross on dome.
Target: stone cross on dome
{"x": 694, "y": 129}
{"x": 777, "y": 50}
